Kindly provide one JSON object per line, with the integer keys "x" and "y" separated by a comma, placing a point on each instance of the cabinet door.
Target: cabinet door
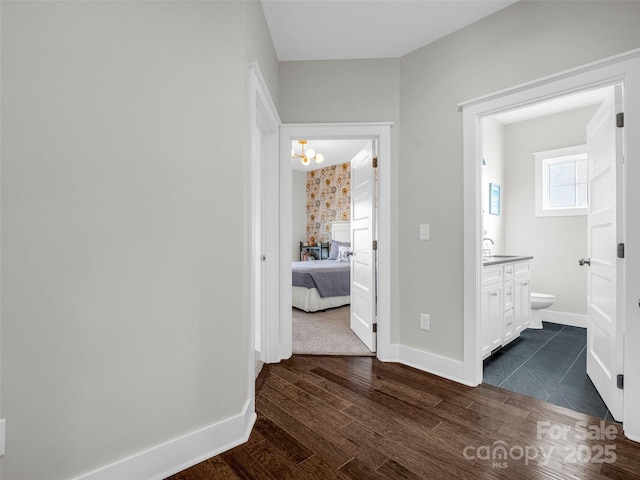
{"x": 509, "y": 330}
{"x": 522, "y": 304}
{"x": 491, "y": 319}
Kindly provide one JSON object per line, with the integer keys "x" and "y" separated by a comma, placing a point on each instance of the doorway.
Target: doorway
{"x": 322, "y": 260}
{"x": 623, "y": 69}
{"x": 538, "y": 156}
{"x": 280, "y": 345}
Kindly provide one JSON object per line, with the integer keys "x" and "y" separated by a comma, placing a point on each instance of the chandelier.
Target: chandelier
{"x": 306, "y": 157}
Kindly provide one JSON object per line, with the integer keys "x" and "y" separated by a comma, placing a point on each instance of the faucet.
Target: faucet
{"x": 486, "y": 252}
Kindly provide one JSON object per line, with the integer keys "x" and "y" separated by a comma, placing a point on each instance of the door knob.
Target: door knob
{"x": 584, "y": 261}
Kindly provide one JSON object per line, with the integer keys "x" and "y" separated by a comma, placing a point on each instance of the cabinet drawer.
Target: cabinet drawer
{"x": 508, "y": 332}
{"x": 522, "y": 268}
{"x": 491, "y": 275}
{"x": 508, "y": 293}
{"x": 509, "y": 271}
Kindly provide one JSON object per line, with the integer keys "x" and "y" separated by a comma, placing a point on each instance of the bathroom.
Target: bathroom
{"x": 555, "y": 240}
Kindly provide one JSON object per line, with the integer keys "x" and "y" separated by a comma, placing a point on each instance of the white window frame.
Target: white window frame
{"x": 557, "y": 155}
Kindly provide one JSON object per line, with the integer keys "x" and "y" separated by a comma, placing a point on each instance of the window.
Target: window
{"x": 561, "y": 182}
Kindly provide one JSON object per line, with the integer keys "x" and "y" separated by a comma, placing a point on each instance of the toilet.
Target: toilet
{"x": 538, "y": 302}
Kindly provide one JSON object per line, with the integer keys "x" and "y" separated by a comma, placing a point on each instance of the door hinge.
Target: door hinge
{"x": 620, "y": 120}
{"x": 621, "y": 250}
{"x": 375, "y": 327}
{"x": 374, "y": 162}
{"x": 620, "y": 381}
{"x": 374, "y": 246}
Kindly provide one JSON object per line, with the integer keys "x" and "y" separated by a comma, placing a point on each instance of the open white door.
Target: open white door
{"x": 363, "y": 261}
{"x": 605, "y": 232}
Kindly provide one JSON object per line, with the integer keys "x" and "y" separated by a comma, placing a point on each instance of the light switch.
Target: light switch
{"x": 424, "y": 232}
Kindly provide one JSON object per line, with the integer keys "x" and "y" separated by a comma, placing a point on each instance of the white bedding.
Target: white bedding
{"x": 309, "y": 300}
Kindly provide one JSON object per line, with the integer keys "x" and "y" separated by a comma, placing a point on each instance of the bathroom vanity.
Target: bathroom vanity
{"x": 506, "y": 300}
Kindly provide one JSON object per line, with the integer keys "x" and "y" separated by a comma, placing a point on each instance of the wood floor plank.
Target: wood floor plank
{"x": 393, "y": 470}
{"x": 317, "y": 469}
{"x": 422, "y": 461}
{"x": 312, "y": 403}
{"x": 289, "y": 446}
{"x": 399, "y": 408}
{"x": 245, "y": 465}
{"x": 350, "y": 418}
{"x": 332, "y": 454}
{"x": 299, "y": 381}
{"x": 273, "y": 460}
{"x": 357, "y": 470}
{"x": 450, "y": 412}
{"x": 326, "y": 429}
{"x": 212, "y": 468}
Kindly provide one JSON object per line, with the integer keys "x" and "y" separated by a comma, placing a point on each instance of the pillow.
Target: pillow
{"x": 335, "y": 246}
{"x": 344, "y": 252}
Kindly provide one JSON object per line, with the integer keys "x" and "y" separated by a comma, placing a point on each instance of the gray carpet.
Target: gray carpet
{"x": 326, "y": 333}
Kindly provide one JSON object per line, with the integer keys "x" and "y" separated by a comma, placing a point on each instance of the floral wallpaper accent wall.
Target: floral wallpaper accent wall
{"x": 328, "y": 200}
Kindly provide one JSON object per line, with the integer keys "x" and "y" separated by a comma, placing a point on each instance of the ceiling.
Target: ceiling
{"x": 334, "y": 151}
{"x": 359, "y": 29}
{"x": 351, "y": 29}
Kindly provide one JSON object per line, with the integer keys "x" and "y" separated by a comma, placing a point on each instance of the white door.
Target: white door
{"x": 604, "y": 286}
{"x": 363, "y": 261}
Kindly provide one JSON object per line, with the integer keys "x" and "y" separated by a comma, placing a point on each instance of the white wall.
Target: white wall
{"x": 493, "y": 172}
{"x": 299, "y": 206}
{"x": 122, "y": 318}
{"x": 523, "y": 42}
{"x": 556, "y": 243}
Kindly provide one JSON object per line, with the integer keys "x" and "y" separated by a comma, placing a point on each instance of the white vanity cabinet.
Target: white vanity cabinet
{"x": 492, "y": 314}
{"x": 522, "y": 296}
{"x": 505, "y": 303}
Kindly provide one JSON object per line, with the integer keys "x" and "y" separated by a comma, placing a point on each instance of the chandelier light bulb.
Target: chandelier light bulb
{"x": 306, "y": 161}
{"x": 319, "y": 158}
{"x": 310, "y": 153}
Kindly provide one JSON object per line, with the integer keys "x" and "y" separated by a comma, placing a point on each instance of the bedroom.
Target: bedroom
{"x": 321, "y": 247}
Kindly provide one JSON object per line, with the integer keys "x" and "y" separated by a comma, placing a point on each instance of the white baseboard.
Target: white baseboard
{"x": 390, "y": 354}
{"x": 563, "y": 318}
{"x": 183, "y": 452}
{"x": 431, "y": 363}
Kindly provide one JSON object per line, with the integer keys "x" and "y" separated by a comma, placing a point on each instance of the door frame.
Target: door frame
{"x": 279, "y": 344}
{"x": 264, "y": 125}
{"x": 625, "y": 69}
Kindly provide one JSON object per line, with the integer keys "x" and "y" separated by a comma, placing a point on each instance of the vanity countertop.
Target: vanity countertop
{"x": 500, "y": 259}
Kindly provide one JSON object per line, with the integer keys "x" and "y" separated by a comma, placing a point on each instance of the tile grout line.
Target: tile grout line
{"x": 572, "y": 364}
{"x": 565, "y": 373}
{"x": 531, "y": 356}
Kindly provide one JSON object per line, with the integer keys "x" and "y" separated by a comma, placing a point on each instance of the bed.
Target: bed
{"x": 321, "y": 284}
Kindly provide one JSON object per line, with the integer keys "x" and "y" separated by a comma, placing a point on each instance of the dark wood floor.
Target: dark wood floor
{"x": 358, "y": 418}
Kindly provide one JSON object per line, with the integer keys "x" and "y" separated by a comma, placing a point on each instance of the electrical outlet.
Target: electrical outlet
{"x": 424, "y": 232}
{"x": 425, "y": 321}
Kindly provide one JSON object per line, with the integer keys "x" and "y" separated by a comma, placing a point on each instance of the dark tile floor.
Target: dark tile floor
{"x": 550, "y": 365}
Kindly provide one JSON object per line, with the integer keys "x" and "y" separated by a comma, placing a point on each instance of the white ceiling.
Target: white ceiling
{"x": 335, "y": 152}
{"x": 350, "y": 29}
{"x": 353, "y": 29}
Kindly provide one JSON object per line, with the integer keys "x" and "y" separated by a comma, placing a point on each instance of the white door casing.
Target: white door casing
{"x": 363, "y": 262}
{"x": 281, "y": 343}
{"x": 263, "y": 254}
{"x": 605, "y": 269}
{"x": 622, "y": 68}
